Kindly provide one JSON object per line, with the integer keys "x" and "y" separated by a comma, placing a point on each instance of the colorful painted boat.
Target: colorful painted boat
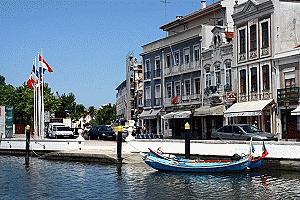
{"x": 163, "y": 164}
{"x": 168, "y": 162}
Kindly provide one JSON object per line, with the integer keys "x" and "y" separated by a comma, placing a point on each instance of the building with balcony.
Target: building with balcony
{"x": 174, "y": 77}
{"x": 287, "y": 65}
{"x": 263, "y": 29}
{"x": 129, "y": 96}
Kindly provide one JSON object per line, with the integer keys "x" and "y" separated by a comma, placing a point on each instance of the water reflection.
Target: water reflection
{"x": 71, "y": 180}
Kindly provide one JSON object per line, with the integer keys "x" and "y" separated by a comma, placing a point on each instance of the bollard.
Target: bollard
{"x": 119, "y": 144}
{"x": 187, "y": 140}
{"x": 27, "y": 132}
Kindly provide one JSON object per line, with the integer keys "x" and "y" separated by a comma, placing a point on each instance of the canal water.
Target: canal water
{"x": 70, "y": 180}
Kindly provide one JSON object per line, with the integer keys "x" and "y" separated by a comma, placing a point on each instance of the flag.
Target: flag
{"x": 264, "y": 150}
{"x": 30, "y": 82}
{"x": 34, "y": 75}
{"x": 45, "y": 64}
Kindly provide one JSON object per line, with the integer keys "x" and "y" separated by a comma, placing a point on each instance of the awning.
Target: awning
{"x": 296, "y": 111}
{"x": 177, "y": 115}
{"x": 207, "y": 110}
{"x": 249, "y": 108}
{"x": 149, "y": 114}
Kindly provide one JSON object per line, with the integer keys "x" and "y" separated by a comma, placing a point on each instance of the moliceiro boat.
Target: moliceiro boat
{"x": 168, "y": 162}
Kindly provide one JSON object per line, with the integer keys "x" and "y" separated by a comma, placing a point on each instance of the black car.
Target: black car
{"x": 242, "y": 132}
{"x": 102, "y": 132}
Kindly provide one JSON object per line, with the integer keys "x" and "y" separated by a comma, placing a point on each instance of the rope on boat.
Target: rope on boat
{"x": 140, "y": 152}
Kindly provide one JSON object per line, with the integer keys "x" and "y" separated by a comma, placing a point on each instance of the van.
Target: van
{"x": 59, "y": 130}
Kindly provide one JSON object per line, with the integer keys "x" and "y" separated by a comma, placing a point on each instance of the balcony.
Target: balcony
{"x": 147, "y": 102}
{"x": 290, "y": 95}
{"x": 147, "y": 75}
{"x": 157, "y": 73}
{"x": 183, "y": 68}
{"x": 157, "y": 102}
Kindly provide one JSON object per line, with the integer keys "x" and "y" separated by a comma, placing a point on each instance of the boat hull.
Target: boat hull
{"x": 178, "y": 166}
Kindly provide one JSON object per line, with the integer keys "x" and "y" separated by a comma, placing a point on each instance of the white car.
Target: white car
{"x": 59, "y": 130}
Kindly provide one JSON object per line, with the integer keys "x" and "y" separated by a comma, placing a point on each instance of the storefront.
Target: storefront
{"x": 151, "y": 121}
{"x": 174, "y": 123}
{"x": 261, "y": 112}
{"x": 209, "y": 119}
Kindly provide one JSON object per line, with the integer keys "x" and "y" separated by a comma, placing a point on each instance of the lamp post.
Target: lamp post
{"x": 187, "y": 129}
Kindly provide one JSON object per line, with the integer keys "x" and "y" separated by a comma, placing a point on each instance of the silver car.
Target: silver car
{"x": 242, "y": 132}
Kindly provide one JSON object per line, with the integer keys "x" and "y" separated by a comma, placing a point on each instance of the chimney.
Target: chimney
{"x": 203, "y": 4}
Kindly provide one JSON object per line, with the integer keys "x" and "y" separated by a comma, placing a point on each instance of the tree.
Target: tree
{"x": 2, "y": 80}
{"x": 52, "y": 103}
{"x": 79, "y": 112}
{"x": 105, "y": 115}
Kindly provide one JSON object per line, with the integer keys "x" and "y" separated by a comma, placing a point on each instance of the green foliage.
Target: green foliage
{"x": 21, "y": 98}
{"x": 2, "y": 80}
{"x": 105, "y": 115}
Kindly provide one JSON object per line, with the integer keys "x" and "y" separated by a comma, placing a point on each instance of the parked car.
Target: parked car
{"x": 242, "y": 132}
{"x": 59, "y": 130}
{"x": 102, "y": 132}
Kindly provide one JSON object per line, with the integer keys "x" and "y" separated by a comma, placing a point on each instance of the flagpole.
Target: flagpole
{"x": 43, "y": 106}
{"x": 34, "y": 100}
{"x": 39, "y": 99}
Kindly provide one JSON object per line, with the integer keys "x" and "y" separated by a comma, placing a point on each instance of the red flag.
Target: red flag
{"x": 45, "y": 64}
{"x": 30, "y": 83}
{"x": 264, "y": 150}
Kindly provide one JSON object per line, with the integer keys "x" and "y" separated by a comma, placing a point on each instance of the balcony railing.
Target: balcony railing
{"x": 157, "y": 73}
{"x": 290, "y": 95}
{"x": 147, "y": 75}
{"x": 147, "y": 102}
{"x": 183, "y": 68}
{"x": 157, "y": 102}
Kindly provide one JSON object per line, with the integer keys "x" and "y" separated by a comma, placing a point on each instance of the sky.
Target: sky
{"x": 85, "y": 41}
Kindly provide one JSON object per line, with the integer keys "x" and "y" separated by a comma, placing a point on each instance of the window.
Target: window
{"x": 168, "y": 60}
{"x": 253, "y": 37}
{"x": 218, "y": 75}
{"x": 177, "y": 88}
{"x": 187, "y": 84}
{"x": 197, "y": 86}
{"x": 196, "y": 53}
{"x": 157, "y": 91}
{"x": 242, "y": 40}
{"x": 148, "y": 93}
{"x": 147, "y": 69}
{"x": 176, "y": 58}
{"x": 186, "y": 56}
{"x": 169, "y": 90}
{"x": 228, "y": 73}
{"x": 207, "y": 77}
{"x": 266, "y": 77}
{"x": 253, "y": 79}
{"x": 157, "y": 101}
{"x": 265, "y": 34}
{"x": 157, "y": 67}
{"x": 243, "y": 81}
{"x": 289, "y": 79}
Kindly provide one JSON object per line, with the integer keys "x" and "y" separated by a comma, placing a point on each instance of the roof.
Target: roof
{"x": 192, "y": 16}
{"x": 122, "y": 85}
